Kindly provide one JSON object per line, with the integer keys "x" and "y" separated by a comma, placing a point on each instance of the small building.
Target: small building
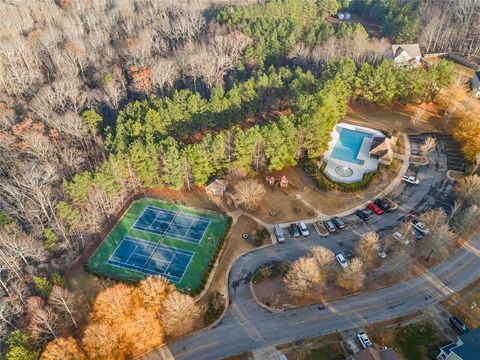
{"x": 476, "y": 84}
{"x": 383, "y": 149}
{"x": 216, "y": 187}
{"x": 467, "y": 347}
{"x": 406, "y": 54}
{"x": 340, "y": 16}
{"x": 347, "y": 16}
{"x": 376, "y": 353}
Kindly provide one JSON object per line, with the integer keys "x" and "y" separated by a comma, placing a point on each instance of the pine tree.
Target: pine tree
{"x": 172, "y": 166}
{"x": 199, "y": 162}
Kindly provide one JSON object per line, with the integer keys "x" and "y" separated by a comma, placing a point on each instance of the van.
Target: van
{"x": 279, "y": 233}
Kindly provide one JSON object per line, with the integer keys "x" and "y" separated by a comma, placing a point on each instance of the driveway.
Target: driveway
{"x": 248, "y": 326}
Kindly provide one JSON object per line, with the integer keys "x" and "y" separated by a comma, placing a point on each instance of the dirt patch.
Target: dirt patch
{"x": 328, "y": 347}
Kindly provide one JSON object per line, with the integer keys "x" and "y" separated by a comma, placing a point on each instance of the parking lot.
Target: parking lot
{"x": 435, "y": 190}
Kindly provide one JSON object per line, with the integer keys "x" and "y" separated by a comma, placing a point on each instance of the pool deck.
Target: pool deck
{"x": 358, "y": 170}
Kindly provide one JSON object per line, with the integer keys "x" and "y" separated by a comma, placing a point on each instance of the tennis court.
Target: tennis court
{"x": 178, "y": 225}
{"x": 151, "y": 259}
{"x": 158, "y": 238}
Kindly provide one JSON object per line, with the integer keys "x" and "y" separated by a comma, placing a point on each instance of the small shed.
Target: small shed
{"x": 216, "y": 187}
{"x": 340, "y": 16}
{"x": 347, "y": 16}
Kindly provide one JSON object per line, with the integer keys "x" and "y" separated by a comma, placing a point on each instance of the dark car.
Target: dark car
{"x": 458, "y": 324}
{"x": 330, "y": 225}
{"x": 362, "y": 215}
{"x": 348, "y": 253}
{"x": 383, "y": 204}
{"x": 294, "y": 231}
{"x": 338, "y": 222}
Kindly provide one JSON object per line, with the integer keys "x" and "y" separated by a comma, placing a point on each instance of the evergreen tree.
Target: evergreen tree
{"x": 199, "y": 162}
{"x": 216, "y": 151}
{"x": 246, "y": 147}
{"x": 172, "y": 166}
{"x": 145, "y": 162}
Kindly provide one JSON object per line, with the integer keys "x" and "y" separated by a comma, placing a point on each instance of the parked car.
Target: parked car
{"x": 374, "y": 207}
{"x": 341, "y": 260}
{"x": 400, "y": 237}
{"x": 383, "y": 204}
{"x": 330, "y": 225}
{"x": 364, "y": 340}
{"x": 338, "y": 222}
{"x": 279, "y": 233}
{"x": 458, "y": 324}
{"x": 362, "y": 215}
{"x": 410, "y": 180}
{"x": 418, "y": 235}
{"x": 421, "y": 227}
{"x": 348, "y": 253}
{"x": 294, "y": 230}
{"x": 303, "y": 229}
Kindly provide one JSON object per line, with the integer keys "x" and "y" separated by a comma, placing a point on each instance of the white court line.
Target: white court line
{"x": 186, "y": 268}
{"x": 184, "y": 214}
{"x": 144, "y": 271}
{"x": 138, "y": 218}
{"x": 126, "y": 237}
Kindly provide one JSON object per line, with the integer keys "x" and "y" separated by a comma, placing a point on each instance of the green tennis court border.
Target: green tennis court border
{"x": 202, "y": 252}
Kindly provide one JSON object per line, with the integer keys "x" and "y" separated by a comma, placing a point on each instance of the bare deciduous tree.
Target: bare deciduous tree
{"x": 64, "y": 302}
{"x": 417, "y": 117}
{"x": 400, "y": 263}
{"x": 428, "y": 146}
{"x": 325, "y": 259}
{"x": 353, "y": 276}
{"x": 468, "y": 189}
{"x": 178, "y": 314}
{"x": 302, "y": 276}
{"x": 248, "y": 194}
{"x": 367, "y": 247}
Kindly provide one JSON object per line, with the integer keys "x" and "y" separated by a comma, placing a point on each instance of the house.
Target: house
{"x": 376, "y": 353}
{"x": 383, "y": 149}
{"x": 467, "y": 347}
{"x": 476, "y": 84}
{"x": 406, "y": 54}
{"x": 216, "y": 187}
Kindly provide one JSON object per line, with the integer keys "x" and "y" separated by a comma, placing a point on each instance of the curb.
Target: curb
{"x": 261, "y": 304}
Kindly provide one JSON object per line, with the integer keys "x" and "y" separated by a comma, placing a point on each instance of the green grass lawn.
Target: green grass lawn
{"x": 203, "y": 252}
{"x": 419, "y": 341}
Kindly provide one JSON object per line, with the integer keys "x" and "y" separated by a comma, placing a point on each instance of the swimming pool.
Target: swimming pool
{"x": 348, "y": 145}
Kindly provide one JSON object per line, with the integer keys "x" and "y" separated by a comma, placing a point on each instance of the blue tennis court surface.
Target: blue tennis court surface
{"x": 177, "y": 225}
{"x": 151, "y": 258}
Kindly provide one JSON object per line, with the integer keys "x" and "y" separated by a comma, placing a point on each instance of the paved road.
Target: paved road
{"x": 247, "y": 326}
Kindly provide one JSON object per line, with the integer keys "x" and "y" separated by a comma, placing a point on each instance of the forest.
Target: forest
{"x": 101, "y": 99}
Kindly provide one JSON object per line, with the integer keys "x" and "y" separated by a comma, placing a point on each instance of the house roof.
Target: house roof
{"x": 379, "y": 146}
{"x": 410, "y": 49}
{"x": 217, "y": 184}
{"x": 371, "y": 353}
{"x": 470, "y": 349}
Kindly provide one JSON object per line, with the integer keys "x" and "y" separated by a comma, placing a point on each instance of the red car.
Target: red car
{"x": 374, "y": 207}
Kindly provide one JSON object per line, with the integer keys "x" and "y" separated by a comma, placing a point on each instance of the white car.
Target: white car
{"x": 341, "y": 260}
{"x": 364, "y": 340}
{"x": 400, "y": 237}
{"x": 303, "y": 228}
{"x": 410, "y": 180}
{"x": 420, "y": 227}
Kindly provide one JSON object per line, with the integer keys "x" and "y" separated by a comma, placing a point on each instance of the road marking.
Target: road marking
{"x": 393, "y": 302}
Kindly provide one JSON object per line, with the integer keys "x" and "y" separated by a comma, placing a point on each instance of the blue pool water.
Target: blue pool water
{"x": 348, "y": 145}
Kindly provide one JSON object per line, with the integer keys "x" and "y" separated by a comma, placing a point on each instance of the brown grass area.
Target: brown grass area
{"x": 328, "y": 347}
{"x": 396, "y": 116}
{"x": 234, "y": 246}
{"x": 466, "y": 303}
